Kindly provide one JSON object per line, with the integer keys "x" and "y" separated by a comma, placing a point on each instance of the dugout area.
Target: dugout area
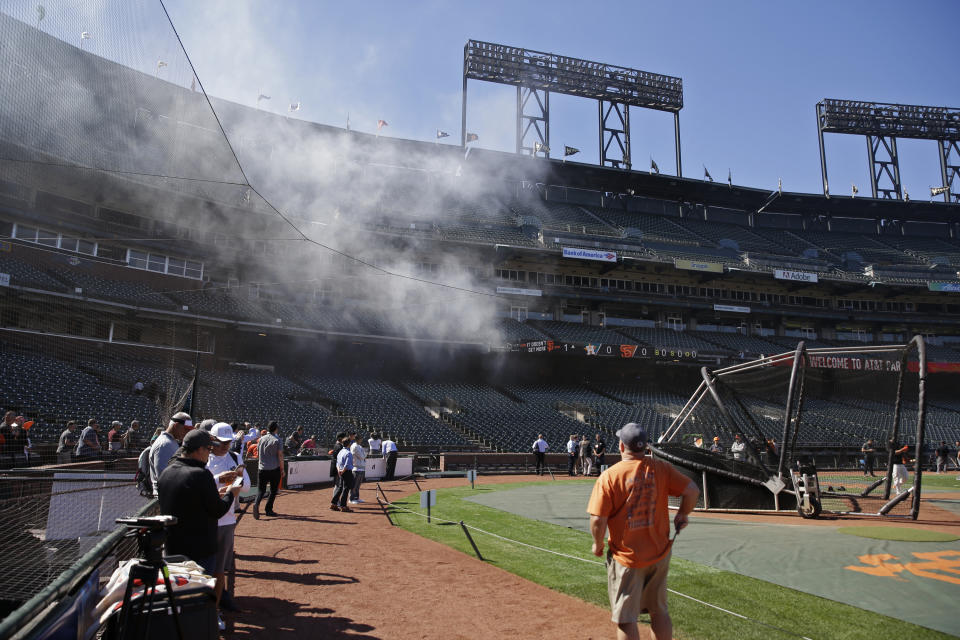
{"x": 918, "y": 582}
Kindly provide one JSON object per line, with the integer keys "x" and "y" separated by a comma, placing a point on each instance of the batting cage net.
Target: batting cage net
{"x": 105, "y": 127}
{"x": 842, "y": 425}
{"x": 52, "y": 519}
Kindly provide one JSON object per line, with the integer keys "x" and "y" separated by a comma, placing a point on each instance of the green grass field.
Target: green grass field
{"x": 942, "y": 482}
{"x": 794, "y": 613}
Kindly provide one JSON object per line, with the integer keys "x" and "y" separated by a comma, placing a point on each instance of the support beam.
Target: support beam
{"x": 676, "y": 142}
{"x": 614, "y": 134}
{"x": 950, "y": 169}
{"x": 823, "y": 155}
{"x": 533, "y": 121}
{"x": 884, "y": 167}
{"x": 463, "y": 107}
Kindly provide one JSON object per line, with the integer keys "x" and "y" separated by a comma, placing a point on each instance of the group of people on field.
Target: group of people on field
{"x": 585, "y": 455}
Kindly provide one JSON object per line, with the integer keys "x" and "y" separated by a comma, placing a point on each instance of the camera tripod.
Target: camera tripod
{"x": 135, "y": 615}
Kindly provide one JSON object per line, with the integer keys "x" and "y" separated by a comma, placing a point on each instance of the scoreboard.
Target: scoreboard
{"x": 605, "y": 350}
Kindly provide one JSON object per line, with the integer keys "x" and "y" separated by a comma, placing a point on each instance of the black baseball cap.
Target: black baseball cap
{"x": 196, "y": 439}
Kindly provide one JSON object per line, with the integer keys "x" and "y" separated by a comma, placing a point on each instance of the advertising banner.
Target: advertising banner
{"x": 795, "y": 276}
{"x": 519, "y": 292}
{"x": 731, "y": 308}
{"x": 697, "y": 265}
{"x": 953, "y": 287}
{"x": 590, "y": 254}
{"x": 4, "y": 279}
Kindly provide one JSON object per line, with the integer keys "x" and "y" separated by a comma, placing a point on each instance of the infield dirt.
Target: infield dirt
{"x": 316, "y": 573}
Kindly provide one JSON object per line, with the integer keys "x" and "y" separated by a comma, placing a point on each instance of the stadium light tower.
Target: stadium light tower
{"x": 882, "y": 124}
{"x": 536, "y": 74}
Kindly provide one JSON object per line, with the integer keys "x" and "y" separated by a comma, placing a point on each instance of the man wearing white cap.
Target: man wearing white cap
{"x": 166, "y": 445}
{"x": 631, "y": 498}
{"x": 224, "y": 465}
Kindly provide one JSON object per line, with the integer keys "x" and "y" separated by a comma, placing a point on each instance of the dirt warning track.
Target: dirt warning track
{"x": 316, "y": 573}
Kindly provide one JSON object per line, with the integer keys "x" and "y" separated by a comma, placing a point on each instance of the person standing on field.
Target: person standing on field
{"x": 600, "y": 451}
{"x": 540, "y": 447}
{"x": 868, "y": 450}
{"x": 586, "y": 456}
{"x": 359, "y": 469}
{"x": 630, "y": 499}
{"x": 270, "y": 469}
{"x": 572, "y": 450}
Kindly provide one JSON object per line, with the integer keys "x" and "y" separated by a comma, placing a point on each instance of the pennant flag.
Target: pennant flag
{"x": 381, "y": 124}
{"x": 853, "y": 189}
{"x": 537, "y": 148}
{"x": 653, "y": 167}
{"x": 41, "y": 12}
{"x": 938, "y": 191}
{"x": 569, "y": 151}
{"x": 779, "y": 185}
{"x": 348, "y": 121}
{"x": 262, "y": 96}
{"x": 85, "y": 35}
{"x": 472, "y": 137}
{"x": 706, "y": 174}
{"x": 294, "y": 106}
{"x": 161, "y": 64}
{"x": 442, "y": 134}
{"x": 729, "y": 177}
{"x": 193, "y": 84}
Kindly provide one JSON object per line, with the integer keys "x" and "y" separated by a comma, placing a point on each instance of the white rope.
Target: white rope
{"x": 588, "y": 561}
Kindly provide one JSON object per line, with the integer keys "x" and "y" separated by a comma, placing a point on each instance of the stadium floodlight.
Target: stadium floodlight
{"x": 882, "y": 124}
{"x": 536, "y": 74}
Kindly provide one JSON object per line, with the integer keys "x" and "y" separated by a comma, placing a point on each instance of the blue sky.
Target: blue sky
{"x": 752, "y": 71}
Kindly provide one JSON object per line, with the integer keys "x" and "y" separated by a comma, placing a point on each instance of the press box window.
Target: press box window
{"x": 157, "y": 263}
{"x": 137, "y": 259}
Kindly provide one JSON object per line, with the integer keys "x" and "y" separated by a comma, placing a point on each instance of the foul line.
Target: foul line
{"x": 593, "y": 562}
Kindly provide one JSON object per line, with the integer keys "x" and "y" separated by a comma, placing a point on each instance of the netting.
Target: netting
{"x": 848, "y": 413}
{"x": 52, "y": 519}
{"x": 62, "y": 361}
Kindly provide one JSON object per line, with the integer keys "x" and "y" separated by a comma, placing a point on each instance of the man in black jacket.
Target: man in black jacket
{"x": 188, "y": 491}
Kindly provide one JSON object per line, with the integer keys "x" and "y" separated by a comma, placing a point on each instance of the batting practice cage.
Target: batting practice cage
{"x": 815, "y": 429}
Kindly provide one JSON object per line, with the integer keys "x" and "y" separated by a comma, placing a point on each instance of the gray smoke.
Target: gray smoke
{"x": 118, "y": 106}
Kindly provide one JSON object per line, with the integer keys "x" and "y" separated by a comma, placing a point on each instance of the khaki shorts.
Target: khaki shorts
{"x": 636, "y": 591}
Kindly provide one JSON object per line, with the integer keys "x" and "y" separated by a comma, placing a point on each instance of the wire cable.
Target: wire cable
{"x": 280, "y": 213}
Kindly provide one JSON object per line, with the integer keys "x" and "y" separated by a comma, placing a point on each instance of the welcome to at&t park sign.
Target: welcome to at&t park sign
{"x": 590, "y": 254}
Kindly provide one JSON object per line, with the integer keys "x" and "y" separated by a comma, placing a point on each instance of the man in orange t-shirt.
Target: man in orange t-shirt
{"x": 631, "y": 499}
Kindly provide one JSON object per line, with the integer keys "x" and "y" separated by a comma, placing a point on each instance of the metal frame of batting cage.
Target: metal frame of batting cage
{"x": 793, "y": 411}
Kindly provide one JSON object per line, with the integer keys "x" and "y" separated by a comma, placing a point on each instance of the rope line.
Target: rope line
{"x": 596, "y": 563}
